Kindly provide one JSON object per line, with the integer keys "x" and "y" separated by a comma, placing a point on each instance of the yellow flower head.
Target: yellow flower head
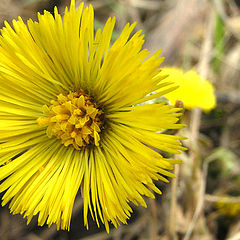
{"x": 194, "y": 91}
{"x": 231, "y": 209}
{"x": 71, "y": 118}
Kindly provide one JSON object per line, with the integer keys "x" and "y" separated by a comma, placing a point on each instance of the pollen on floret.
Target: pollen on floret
{"x": 74, "y": 118}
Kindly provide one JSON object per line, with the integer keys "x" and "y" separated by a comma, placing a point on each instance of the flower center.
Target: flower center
{"x": 74, "y": 119}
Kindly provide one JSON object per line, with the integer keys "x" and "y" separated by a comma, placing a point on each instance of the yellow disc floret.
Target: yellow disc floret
{"x": 74, "y": 119}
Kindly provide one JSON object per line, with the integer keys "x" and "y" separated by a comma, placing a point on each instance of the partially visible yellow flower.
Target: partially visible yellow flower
{"x": 194, "y": 91}
{"x": 229, "y": 208}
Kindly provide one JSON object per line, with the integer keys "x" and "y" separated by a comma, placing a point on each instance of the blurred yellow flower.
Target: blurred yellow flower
{"x": 71, "y": 118}
{"x": 194, "y": 91}
{"x": 228, "y": 208}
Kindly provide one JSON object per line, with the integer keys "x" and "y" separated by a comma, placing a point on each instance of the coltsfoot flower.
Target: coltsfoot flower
{"x": 71, "y": 117}
{"x": 194, "y": 91}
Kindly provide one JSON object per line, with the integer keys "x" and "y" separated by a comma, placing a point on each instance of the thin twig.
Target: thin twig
{"x": 173, "y": 205}
{"x": 195, "y": 126}
{"x": 154, "y": 221}
{"x": 213, "y": 198}
{"x": 200, "y": 204}
{"x": 221, "y": 11}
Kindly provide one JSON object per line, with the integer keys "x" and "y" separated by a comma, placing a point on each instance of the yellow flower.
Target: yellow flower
{"x": 229, "y": 208}
{"x": 194, "y": 91}
{"x": 71, "y": 118}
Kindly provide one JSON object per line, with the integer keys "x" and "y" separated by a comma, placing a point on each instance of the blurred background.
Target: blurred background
{"x": 203, "y": 202}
